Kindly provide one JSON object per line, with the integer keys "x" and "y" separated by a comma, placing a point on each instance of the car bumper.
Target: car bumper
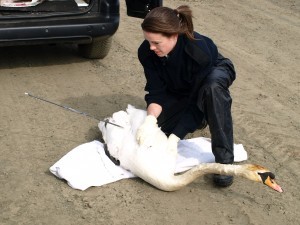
{"x": 76, "y": 33}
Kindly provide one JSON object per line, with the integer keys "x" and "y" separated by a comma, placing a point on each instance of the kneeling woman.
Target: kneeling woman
{"x": 187, "y": 83}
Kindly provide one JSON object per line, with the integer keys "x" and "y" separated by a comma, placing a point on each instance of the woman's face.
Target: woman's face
{"x": 161, "y": 44}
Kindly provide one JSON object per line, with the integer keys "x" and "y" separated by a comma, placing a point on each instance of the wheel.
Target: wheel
{"x": 98, "y": 49}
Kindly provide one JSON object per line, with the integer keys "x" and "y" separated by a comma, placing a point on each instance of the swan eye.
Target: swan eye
{"x": 266, "y": 175}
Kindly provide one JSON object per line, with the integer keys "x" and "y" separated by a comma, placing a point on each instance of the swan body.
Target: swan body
{"x": 154, "y": 164}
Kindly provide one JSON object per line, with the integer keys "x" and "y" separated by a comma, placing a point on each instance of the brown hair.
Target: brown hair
{"x": 169, "y": 21}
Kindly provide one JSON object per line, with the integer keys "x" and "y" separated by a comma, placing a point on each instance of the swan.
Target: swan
{"x": 154, "y": 164}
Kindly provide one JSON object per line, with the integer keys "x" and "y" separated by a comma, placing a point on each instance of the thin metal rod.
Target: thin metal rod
{"x": 70, "y": 109}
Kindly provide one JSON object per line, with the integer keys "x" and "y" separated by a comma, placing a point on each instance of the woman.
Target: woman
{"x": 187, "y": 83}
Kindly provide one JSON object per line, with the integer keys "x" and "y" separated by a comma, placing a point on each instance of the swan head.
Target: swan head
{"x": 261, "y": 174}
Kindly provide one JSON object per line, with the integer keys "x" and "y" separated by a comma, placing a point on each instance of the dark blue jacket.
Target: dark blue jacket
{"x": 178, "y": 75}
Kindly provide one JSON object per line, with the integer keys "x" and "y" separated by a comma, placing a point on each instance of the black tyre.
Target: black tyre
{"x": 98, "y": 49}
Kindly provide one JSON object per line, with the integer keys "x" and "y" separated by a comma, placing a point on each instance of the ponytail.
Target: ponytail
{"x": 186, "y": 22}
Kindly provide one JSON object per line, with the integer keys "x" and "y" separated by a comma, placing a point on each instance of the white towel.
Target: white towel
{"x": 87, "y": 165}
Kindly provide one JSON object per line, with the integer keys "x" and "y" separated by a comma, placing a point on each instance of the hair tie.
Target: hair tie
{"x": 177, "y": 13}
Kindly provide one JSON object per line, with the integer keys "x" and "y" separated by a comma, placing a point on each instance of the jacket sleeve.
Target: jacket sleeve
{"x": 155, "y": 86}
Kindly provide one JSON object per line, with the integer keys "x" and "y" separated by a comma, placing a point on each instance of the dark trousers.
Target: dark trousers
{"x": 212, "y": 106}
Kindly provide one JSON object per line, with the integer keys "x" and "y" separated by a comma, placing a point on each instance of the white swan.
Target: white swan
{"x": 154, "y": 164}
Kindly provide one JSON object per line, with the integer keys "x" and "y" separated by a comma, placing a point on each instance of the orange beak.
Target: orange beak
{"x": 272, "y": 184}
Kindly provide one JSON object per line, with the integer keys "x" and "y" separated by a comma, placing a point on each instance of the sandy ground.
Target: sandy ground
{"x": 262, "y": 39}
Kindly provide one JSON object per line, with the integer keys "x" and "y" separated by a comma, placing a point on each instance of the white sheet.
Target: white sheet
{"x": 87, "y": 165}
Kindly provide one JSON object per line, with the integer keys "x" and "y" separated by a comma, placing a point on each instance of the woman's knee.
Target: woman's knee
{"x": 214, "y": 87}
{"x": 219, "y": 77}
